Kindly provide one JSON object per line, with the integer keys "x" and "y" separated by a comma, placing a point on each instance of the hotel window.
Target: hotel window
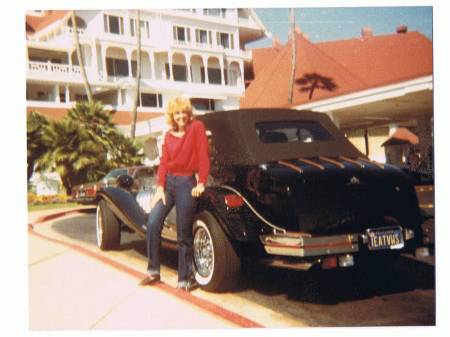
{"x": 203, "y": 104}
{"x": 214, "y": 12}
{"x": 116, "y": 67}
{"x": 145, "y": 28}
{"x": 225, "y": 40}
{"x": 113, "y": 24}
{"x": 179, "y": 72}
{"x": 181, "y": 34}
{"x": 151, "y": 100}
{"x": 203, "y": 36}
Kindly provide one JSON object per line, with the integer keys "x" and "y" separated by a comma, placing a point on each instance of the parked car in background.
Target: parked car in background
{"x": 86, "y": 193}
{"x": 286, "y": 189}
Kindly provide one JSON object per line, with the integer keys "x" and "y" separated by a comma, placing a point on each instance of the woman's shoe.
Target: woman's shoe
{"x": 188, "y": 285}
{"x": 150, "y": 280}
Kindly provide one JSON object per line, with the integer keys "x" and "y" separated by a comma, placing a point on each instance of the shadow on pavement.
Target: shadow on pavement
{"x": 315, "y": 286}
{"x": 340, "y": 285}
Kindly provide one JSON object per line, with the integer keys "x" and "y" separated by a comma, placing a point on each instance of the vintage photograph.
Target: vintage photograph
{"x": 228, "y": 168}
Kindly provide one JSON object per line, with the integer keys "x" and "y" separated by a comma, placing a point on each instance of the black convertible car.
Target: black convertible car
{"x": 286, "y": 189}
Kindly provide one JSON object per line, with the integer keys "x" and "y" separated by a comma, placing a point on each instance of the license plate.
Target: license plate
{"x": 385, "y": 238}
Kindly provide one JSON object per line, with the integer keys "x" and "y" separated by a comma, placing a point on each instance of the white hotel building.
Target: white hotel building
{"x": 197, "y": 54}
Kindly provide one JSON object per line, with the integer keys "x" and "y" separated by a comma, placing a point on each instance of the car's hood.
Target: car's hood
{"x": 317, "y": 195}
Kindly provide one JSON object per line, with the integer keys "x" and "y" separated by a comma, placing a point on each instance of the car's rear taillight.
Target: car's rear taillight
{"x": 233, "y": 200}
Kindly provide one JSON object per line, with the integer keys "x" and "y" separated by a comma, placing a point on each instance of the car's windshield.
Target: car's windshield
{"x": 115, "y": 173}
{"x": 292, "y": 131}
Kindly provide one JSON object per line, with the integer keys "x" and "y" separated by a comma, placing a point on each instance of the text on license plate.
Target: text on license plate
{"x": 385, "y": 238}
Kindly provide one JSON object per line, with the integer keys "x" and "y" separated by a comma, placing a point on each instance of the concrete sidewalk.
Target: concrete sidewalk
{"x": 71, "y": 288}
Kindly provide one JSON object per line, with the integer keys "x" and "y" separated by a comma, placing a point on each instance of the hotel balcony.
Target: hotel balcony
{"x": 244, "y": 54}
{"x": 65, "y": 73}
{"x": 56, "y": 72}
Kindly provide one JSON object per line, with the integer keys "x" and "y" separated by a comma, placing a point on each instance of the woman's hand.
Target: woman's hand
{"x": 157, "y": 196}
{"x": 198, "y": 190}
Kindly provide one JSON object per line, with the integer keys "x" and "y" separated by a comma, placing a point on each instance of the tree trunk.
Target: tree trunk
{"x": 293, "y": 56}
{"x": 138, "y": 75}
{"x": 87, "y": 87}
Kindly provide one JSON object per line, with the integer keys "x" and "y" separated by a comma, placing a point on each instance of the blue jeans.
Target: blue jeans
{"x": 178, "y": 192}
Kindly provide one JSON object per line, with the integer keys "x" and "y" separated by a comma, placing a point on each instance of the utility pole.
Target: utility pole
{"x": 138, "y": 75}
{"x": 293, "y": 56}
{"x": 87, "y": 87}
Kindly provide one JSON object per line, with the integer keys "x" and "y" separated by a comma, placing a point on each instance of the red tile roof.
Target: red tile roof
{"x": 270, "y": 87}
{"x": 119, "y": 117}
{"x": 400, "y": 136}
{"x": 36, "y": 23}
{"x": 384, "y": 59}
{"x": 344, "y": 66}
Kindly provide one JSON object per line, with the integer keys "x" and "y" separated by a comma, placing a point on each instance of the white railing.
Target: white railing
{"x": 50, "y": 67}
{"x": 81, "y": 31}
{"x": 181, "y": 42}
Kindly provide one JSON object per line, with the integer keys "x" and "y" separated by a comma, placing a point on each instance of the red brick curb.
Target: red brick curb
{"x": 56, "y": 215}
{"x": 201, "y": 303}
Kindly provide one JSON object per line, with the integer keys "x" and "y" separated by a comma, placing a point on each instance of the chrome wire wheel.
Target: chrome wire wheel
{"x": 99, "y": 226}
{"x": 203, "y": 253}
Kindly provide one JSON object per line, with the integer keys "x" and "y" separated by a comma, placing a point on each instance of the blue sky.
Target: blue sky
{"x": 325, "y": 24}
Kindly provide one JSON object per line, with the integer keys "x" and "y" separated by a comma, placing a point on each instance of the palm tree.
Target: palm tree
{"x": 293, "y": 56}
{"x": 85, "y": 145}
{"x": 35, "y": 144}
{"x": 138, "y": 75}
{"x": 87, "y": 87}
{"x": 70, "y": 153}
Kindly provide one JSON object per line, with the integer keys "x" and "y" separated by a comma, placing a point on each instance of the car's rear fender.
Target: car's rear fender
{"x": 237, "y": 222}
{"x": 124, "y": 205}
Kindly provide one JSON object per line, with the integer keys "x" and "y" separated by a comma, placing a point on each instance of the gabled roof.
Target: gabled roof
{"x": 384, "y": 59}
{"x": 37, "y": 23}
{"x": 344, "y": 67}
{"x": 270, "y": 87}
{"x": 402, "y": 136}
{"x": 119, "y": 117}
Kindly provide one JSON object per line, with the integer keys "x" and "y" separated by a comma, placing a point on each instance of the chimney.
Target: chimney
{"x": 366, "y": 32}
{"x": 276, "y": 44}
{"x": 402, "y": 29}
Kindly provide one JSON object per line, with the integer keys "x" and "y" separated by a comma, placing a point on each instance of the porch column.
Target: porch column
{"x": 205, "y": 66}
{"x": 188, "y": 67}
{"x": 57, "y": 98}
{"x": 104, "y": 69}
{"x": 366, "y": 141}
{"x": 222, "y": 70}
{"x": 119, "y": 97}
{"x": 241, "y": 67}
{"x": 170, "y": 57}
{"x": 67, "y": 94}
{"x": 129, "y": 52}
{"x": 152, "y": 64}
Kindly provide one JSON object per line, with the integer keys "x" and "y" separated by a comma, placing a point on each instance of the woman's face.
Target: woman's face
{"x": 181, "y": 119}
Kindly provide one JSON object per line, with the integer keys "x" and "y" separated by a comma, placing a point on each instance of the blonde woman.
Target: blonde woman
{"x": 184, "y": 154}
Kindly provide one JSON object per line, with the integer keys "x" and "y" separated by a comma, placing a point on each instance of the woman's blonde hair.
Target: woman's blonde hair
{"x": 178, "y": 104}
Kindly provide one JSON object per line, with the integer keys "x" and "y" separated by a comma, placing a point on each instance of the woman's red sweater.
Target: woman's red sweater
{"x": 186, "y": 155}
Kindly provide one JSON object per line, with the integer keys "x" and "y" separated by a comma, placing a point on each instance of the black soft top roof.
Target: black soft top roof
{"x": 237, "y": 142}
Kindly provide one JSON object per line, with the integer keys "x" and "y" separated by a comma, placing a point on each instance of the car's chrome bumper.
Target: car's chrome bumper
{"x": 305, "y": 245}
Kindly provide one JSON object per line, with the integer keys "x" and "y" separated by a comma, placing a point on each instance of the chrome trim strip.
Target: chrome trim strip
{"x": 310, "y": 162}
{"x": 292, "y": 166}
{"x": 338, "y": 164}
{"x": 352, "y": 161}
